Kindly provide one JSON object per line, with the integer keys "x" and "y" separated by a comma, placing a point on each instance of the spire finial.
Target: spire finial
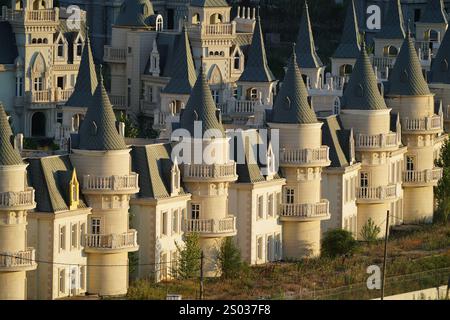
{"x": 100, "y": 75}
{"x": 258, "y": 17}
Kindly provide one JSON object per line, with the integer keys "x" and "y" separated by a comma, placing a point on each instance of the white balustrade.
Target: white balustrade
{"x": 125, "y": 182}
{"x": 210, "y": 171}
{"x": 224, "y": 225}
{"x": 305, "y": 210}
{"x": 305, "y": 156}
{"x": 21, "y": 198}
{"x": 24, "y": 258}
{"x": 111, "y": 241}
{"x": 376, "y": 193}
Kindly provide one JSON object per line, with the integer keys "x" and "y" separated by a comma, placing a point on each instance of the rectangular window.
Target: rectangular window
{"x": 72, "y": 80}
{"x": 195, "y": 211}
{"x": 163, "y": 266}
{"x": 289, "y": 196}
{"x": 175, "y": 221}
{"x": 74, "y": 236}
{"x": 215, "y": 95}
{"x": 19, "y": 86}
{"x": 62, "y": 238}
{"x": 364, "y": 179}
{"x": 259, "y": 248}
{"x": 260, "y": 207}
{"x": 173, "y": 262}
{"x": 82, "y": 233}
{"x": 62, "y": 281}
{"x": 60, "y": 82}
{"x": 83, "y": 278}
{"x": 164, "y": 223}
{"x": 271, "y": 205}
{"x": 95, "y": 226}
{"x": 346, "y": 191}
{"x": 38, "y": 84}
{"x": 269, "y": 249}
{"x": 59, "y": 117}
{"x": 278, "y": 247}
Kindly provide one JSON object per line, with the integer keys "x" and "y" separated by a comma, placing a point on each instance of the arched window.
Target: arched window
{"x": 216, "y": 18}
{"x": 79, "y": 47}
{"x": 216, "y": 53}
{"x": 252, "y": 94}
{"x": 390, "y": 51}
{"x": 34, "y": 41}
{"x": 237, "y": 61}
{"x": 159, "y": 23}
{"x": 45, "y": 41}
{"x": 345, "y": 70}
{"x": 39, "y": 40}
{"x": 432, "y": 35}
{"x": 60, "y": 50}
{"x": 196, "y": 19}
{"x": 337, "y": 106}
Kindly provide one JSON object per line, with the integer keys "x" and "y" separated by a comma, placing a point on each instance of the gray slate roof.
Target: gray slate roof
{"x": 338, "y": 139}
{"x": 257, "y": 68}
{"x": 406, "y": 78}
{"x": 153, "y": 164}
{"x": 349, "y": 46}
{"x": 133, "y": 13}
{"x": 434, "y": 12}
{"x": 393, "y": 26}
{"x": 440, "y": 66}
{"x": 8, "y": 154}
{"x": 50, "y": 177}
{"x": 200, "y": 107}
{"x": 183, "y": 76}
{"x": 86, "y": 79}
{"x": 361, "y": 92}
{"x": 306, "y": 50}
{"x": 291, "y": 104}
{"x": 8, "y": 49}
{"x": 98, "y": 131}
{"x": 166, "y": 43}
{"x": 209, "y": 3}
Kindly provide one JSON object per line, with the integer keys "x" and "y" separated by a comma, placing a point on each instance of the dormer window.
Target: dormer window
{"x": 159, "y": 23}
{"x": 237, "y": 61}
{"x": 60, "y": 48}
{"x": 79, "y": 47}
{"x": 196, "y": 19}
{"x": 252, "y": 94}
{"x": 74, "y": 191}
{"x": 175, "y": 178}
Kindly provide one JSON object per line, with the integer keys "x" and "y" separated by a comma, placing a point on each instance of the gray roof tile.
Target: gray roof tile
{"x": 338, "y": 139}
{"x": 134, "y": 13}
{"x": 440, "y": 66}
{"x": 8, "y": 49}
{"x": 393, "y": 26}
{"x": 349, "y": 46}
{"x": 434, "y": 12}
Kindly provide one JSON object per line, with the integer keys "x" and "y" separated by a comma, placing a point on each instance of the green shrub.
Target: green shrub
{"x": 188, "y": 264}
{"x": 338, "y": 243}
{"x": 229, "y": 259}
{"x": 370, "y": 232}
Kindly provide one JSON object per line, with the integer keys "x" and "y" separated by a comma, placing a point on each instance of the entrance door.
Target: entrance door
{"x": 38, "y": 122}
{"x": 95, "y": 232}
{"x": 74, "y": 280}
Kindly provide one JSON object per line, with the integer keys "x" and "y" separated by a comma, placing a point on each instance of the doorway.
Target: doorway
{"x": 38, "y": 123}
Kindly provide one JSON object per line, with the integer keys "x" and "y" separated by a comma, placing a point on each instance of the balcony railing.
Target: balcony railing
{"x": 112, "y": 54}
{"x": 242, "y": 106}
{"x": 43, "y": 15}
{"x": 425, "y": 176}
{"x": 429, "y": 123}
{"x": 213, "y": 171}
{"x": 305, "y": 210}
{"x": 365, "y": 141}
{"x": 111, "y": 241}
{"x": 112, "y": 183}
{"x": 21, "y": 198}
{"x": 376, "y": 193}
{"x": 48, "y": 96}
{"x": 225, "y": 225}
{"x": 117, "y": 101}
{"x": 219, "y": 29}
{"x": 305, "y": 156}
{"x": 18, "y": 259}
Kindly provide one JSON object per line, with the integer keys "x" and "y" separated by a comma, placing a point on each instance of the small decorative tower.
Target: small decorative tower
{"x": 302, "y": 158}
{"x": 102, "y": 161}
{"x": 207, "y": 172}
{"x": 15, "y": 199}
{"x": 410, "y": 96}
{"x": 440, "y": 78}
{"x": 345, "y": 56}
{"x": 377, "y": 148}
{"x": 309, "y": 62}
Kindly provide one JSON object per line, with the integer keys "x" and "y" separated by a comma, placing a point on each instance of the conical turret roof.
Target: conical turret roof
{"x": 349, "y": 46}
{"x": 99, "y": 131}
{"x": 393, "y": 26}
{"x": 361, "y": 92}
{"x": 9, "y": 156}
{"x": 291, "y": 104}
{"x": 133, "y": 13}
{"x": 440, "y": 66}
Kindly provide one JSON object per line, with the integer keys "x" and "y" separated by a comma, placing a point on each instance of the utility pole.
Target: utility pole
{"x": 201, "y": 275}
{"x": 385, "y": 256}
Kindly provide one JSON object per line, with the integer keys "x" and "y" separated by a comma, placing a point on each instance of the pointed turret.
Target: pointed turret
{"x": 291, "y": 104}
{"x": 209, "y": 3}
{"x": 183, "y": 77}
{"x": 257, "y": 69}
{"x": 349, "y": 47}
{"x": 134, "y": 13}
{"x": 306, "y": 50}
{"x": 200, "y": 107}
{"x": 9, "y": 156}
{"x": 98, "y": 131}
{"x": 361, "y": 92}
{"x": 86, "y": 79}
{"x": 440, "y": 67}
{"x": 393, "y": 23}
{"x": 406, "y": 79}
{"x": 434, "y": 12}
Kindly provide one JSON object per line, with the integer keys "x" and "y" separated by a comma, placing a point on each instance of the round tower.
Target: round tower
{"x": 364, "y": 110}
{"x": 302, "y": 158}
{"x": 410, "y": 97}
{"x": 207, "y": 172}
{"x": 15, "y": 199}
{"x": 102, "y": 161}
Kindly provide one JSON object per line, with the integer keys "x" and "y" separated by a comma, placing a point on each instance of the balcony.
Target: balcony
{"x": 376, "y": 194}
{"x": 17, "y": 200}
{"x": 240, "y": 107}
{"x": 305, "y": 211}
{"x": 18, "y": 261}
{"x": 117, "y": 55}
{"x": 432, "y": 123}
{"x": 219, "y": 29}
{"x": 307, "y": 157}
{"x": 117, "y": 101}
{"x": 123, "y": 184}
{"x": 50, "y": 96}
{"x": 111, "y": 242}
{"x": 377, "y": 141}
{"x": 42, "y": 15}
{"x": 211, "y": 227}
{"x": 422, "y": 178}
{"x": 220, "y": 172}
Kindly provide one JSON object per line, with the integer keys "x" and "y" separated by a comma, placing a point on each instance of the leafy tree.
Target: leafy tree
{"x": 442, "y": 191}
{"x": 229, "y": 259}
{"x": 338, "y": 243}
{"x": 130, "y": 130}
{"x": 370, "y": 231}
{"x": 188, "y": 264}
